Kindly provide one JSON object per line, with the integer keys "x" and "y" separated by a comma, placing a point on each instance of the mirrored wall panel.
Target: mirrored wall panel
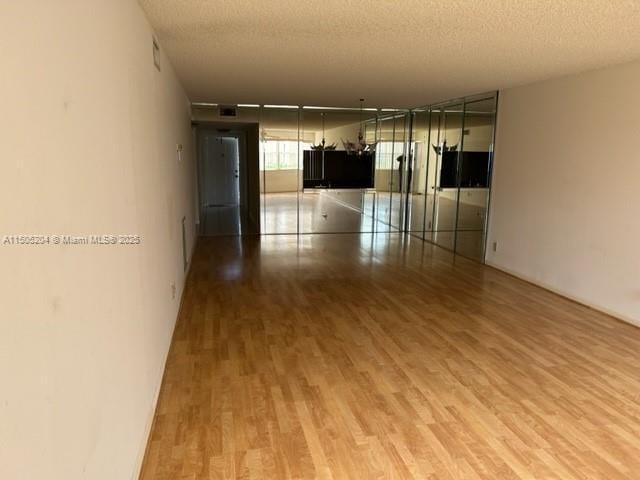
{"x": 280, "y": 147}
{"x": 417, "y": 169}
{"x": 333, "y": 170}
{"x": 474, "y": 176}
{"x": 446, "y": 192}
{"x": 456, "y": 173}
{"x": 338, "y": 170}
{"x": 426, "y": 171}
{"x": 391, "y": 166}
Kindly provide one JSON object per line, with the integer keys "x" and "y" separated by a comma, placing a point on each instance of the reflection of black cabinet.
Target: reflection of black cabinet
{"x": 474, "y": 169}
{"x": 336, "y": 169}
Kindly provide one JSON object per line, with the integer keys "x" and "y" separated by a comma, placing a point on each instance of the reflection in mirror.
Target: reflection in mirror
{"x": 474, "y": 177}
{"x": 279, "y": 170}
{"x": 400, "y": 165}
{"x": 340, "y": 170}
{"x": 446, "y": 191}
{"x": 417, "y": 172}
{"x": 433, "y": 169}
{"x": 390, "y": 178}
{"x": 384, "y": 181}
{"x": 337, "y": 171}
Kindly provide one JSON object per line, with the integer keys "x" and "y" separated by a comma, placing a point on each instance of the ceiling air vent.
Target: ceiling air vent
{"x": 227, "y": 111}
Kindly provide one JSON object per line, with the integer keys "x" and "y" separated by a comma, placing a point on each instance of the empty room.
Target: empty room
{"x": 319, "y": 240}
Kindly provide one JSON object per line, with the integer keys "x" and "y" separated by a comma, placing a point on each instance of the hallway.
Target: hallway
{"x": 380, "y": 356}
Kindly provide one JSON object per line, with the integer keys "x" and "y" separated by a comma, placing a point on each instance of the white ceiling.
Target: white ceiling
{"x": 401, "y": 53}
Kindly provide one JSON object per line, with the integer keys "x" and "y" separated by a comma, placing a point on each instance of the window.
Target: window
{"x": 283, "y": 154}
{"x": 386, "y": 154}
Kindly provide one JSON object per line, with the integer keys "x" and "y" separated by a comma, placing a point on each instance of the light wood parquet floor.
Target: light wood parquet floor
{"x": 366, "y": 356}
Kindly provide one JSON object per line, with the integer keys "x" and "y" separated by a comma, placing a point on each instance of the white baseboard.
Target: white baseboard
{"x": 563, "y": 293}
{"x": 142, "y": 451}
{"x": 154, "y": 404}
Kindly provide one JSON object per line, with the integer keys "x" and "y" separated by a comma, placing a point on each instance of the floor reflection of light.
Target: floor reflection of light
{"x": 233, "y": 270}
{"x": 374, "y": 247}
{"x": 328, "y": 211}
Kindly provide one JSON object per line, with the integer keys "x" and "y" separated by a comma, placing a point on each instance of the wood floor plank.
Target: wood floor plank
{"x": 376, "y": 356}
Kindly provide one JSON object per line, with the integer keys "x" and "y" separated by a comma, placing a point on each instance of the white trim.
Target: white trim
{"x": 154, "y": 404}
{"x": 564, "y": 293}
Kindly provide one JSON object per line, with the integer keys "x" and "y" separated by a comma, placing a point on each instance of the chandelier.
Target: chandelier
{"x": 322, "y": 145}
{"x": 442, "y": 147}
{"x": 359, "y": 147}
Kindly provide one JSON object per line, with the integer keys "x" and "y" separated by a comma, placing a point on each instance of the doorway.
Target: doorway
{"x": 222, "y": 182}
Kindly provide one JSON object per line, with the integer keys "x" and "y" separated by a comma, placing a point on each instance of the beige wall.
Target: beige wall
{"x": 338, "y": 134}
{"x": 565, "y": 190}
{"x": 276, "y": 181}
{"x": 480, "y": 135}
{"x": 88, "y": 132}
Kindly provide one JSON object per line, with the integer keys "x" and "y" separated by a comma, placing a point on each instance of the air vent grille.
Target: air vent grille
{"x": 227, "y": 111}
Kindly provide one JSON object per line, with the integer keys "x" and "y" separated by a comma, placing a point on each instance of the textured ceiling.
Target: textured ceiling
{"x": 400, "y": 53}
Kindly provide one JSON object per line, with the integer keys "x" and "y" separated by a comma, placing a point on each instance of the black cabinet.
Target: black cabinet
{"x": 474, "y": 169}
{"x": 337, "y": 169}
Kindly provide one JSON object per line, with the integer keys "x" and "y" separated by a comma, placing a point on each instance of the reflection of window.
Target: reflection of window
{"x": 386, "y": 154}
{"x": 282, "y": 154}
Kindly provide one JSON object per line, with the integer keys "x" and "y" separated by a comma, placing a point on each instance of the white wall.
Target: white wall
{"x": 564, "y": 207}
{"x": 88, "y": 131}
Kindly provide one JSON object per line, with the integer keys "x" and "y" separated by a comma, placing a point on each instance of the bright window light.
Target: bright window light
{"x": 282, "y": 154}
{"x": 387, "y": 152}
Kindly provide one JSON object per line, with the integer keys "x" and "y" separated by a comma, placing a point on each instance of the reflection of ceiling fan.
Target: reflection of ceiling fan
{"x": 443, "y": 148}
{"x": 359, "y": 147}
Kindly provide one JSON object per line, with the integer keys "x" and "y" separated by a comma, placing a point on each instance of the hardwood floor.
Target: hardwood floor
{"x": 362, "y": 356}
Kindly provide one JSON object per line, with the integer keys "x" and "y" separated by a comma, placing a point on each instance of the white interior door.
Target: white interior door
{"x": 221, "y": 169}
